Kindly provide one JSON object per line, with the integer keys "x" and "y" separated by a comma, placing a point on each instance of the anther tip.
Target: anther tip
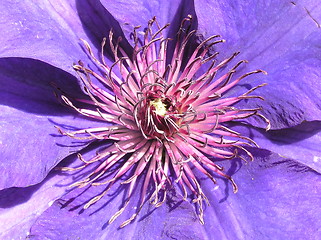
{"x": 268, "y": 127}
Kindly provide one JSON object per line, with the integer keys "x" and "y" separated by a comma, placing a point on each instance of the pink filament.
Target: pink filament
{"x": 162, "y": 148}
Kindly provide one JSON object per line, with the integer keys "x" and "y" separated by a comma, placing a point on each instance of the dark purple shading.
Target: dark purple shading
{"x": 159, "y": 224}
{"x": 20, "y": 207}
{"x": 98, "y": 22}
{"x": 176, "y": 31}
{"x": 30, "y": 85}
{"x": 301, "y": 142}
{"x": 31, "y": 145}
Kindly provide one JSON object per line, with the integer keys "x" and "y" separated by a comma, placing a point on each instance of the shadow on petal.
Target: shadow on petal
{"x": 27, "y": 85}
{"x": 98, "y": 22}
{"x": 300, "y": 142}
{"x": 11, "y": 197}
{"x": 185, "y": 9}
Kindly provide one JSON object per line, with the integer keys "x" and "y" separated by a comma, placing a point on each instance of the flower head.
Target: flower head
{"x": 165, "y": 118}
{"x": 279, "y": 192}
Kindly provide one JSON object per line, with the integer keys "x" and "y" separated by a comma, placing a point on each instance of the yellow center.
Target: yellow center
{"x": 160, "y": 107}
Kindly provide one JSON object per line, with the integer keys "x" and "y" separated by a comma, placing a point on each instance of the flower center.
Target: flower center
{"x": 158, "y": 106}
{"x": 157, "y": 115}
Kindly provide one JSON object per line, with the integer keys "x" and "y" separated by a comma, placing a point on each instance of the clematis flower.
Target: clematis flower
{"x": 278, "y": 192}
{"x": 161, "y": 119}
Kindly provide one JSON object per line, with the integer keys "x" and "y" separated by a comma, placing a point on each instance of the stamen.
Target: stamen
{"x": 168, "y": 121}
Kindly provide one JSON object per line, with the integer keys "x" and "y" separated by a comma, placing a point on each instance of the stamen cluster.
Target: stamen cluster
{"x": 166, "y": 119}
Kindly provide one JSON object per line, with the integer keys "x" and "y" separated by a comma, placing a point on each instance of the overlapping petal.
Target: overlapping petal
{"x": 20, "y": 207}
{"x": 277, "y": 196}
{"x": 42, "y": 30}
{"x": 30, "y": 144}
{"x": 267, "y": 207}
{"x": 301, "y": 143}
{"x": 50, "y": 31}
{"x": 278, "y": 199}
{"x": 281, "y": 37}
{"x": 65, "y": 219}
{"x": 127, "y": 14}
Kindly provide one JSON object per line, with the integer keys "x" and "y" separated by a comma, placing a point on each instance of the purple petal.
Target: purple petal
{"x": 67, "y": 219}
{"x": 160, "y": 224}
{"x": 266, "y": 205}
{"x": 301, "y": 143}
{"x": 269, "y": 189}
{"x": 42, "y": 30}
{"x": 99, "y": 18}
{"x": 281, "y": 38}
{"x": 98, "y": 22}
{"x": 30, "y": 144}
{"x": 51, "y": 31}
{"x": 19, "y": 207}
{"x": 277, "y": 197}
{"x": 139, "y": 12}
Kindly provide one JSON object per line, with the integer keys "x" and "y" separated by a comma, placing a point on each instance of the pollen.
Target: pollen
{"x": 160, "y": 107}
